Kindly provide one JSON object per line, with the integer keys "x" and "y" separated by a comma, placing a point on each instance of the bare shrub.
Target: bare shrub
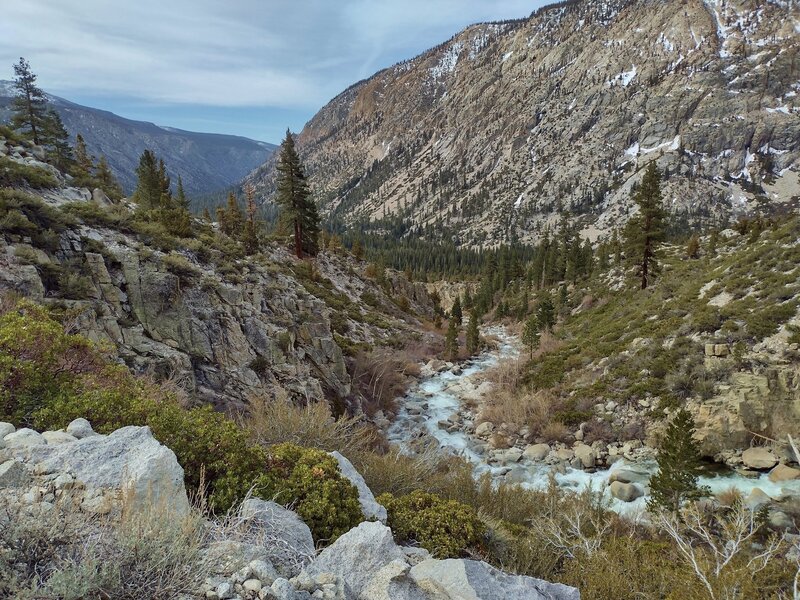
{"x": 555, "y": 432}
{"x": 718, "y": 548}
{"x": 313, "y": 426}
{"x": 507, "y": 375}
{"x": 380, "y": 377}
{"x": 56, "y": 551}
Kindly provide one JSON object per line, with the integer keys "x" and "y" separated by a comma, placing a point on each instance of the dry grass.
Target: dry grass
{"x": 507, "y": 375}
{"x": 380, "y": 377}
{"x": 59, "y": 552}
{"x": 276, "y": 421}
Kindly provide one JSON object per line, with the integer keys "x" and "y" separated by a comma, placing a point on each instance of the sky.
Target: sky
{"x": 244, "y": 67}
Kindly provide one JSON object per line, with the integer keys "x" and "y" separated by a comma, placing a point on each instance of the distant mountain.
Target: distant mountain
{"x": 207, "y": 162}
{"x": 497, "y": 132}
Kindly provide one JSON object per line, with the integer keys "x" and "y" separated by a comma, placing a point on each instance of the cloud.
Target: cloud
{"x": 244, "y": 53}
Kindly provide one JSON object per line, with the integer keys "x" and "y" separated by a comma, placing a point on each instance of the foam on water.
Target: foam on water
{"x": 439, "y": 396}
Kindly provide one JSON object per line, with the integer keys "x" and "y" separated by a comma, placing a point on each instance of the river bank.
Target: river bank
{"x": 441, "y": 410}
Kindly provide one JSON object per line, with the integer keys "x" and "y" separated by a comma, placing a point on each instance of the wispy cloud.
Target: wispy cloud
{"x": 290, "y": 55}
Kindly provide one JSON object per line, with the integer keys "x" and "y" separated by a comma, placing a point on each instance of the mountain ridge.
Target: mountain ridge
{"x": 513, "y": 124}
{"x": 206, "y": 162}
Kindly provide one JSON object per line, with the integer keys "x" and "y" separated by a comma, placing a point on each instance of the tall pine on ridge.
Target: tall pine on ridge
{"x": 294, "y": 197}
{"x": 29, "y": 107}
{"x": 645, "y": 232}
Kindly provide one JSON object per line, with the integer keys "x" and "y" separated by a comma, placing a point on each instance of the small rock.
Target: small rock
{"x": 536, "y": 452}
{"x": 627, "y": 492}
{"x": 263, "y": 571}
{"x": 484, "y": 429}
{"x": 759, "y": 458}
{"x": 80, "y": 428}
{"x": 252, "y": 585}
{"x": 565, "y": 454}
{"x": 58, "y": 437}
{"x": 586, "y": 456}
{"x": 783, "y": 473}
{"x": 756, "y": 499}
{"x": 779, "y": 520}
{"x": 13, "y": 474}
{"x": 24, "y": 438}
{"x": 5, "y": 429}
{"x": 225, "y": 591}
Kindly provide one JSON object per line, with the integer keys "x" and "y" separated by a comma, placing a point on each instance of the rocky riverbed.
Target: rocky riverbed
{"x": 443, "y": 409}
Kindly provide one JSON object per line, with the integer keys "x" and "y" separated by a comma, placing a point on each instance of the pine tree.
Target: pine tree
{"x": 29, "y": 106}
{"x": 473, "y": 340}
{"x": 180, "y": 196}
{"x": 451, "y": 340}
{"x": 83, "y": 165}
{"x": 693, "y": 247}
{"x": 456, "y": 313}
{"x": 206, "y": 215}
{"x": 56, "y": 139}
{"x": 251, "y": 225}
{"x": 357, "y": 250}
{"x": 713, "y": 240}
{"x": 106, "y": 181}
{"x": 678, "y": 466}
{"x": 231, "y": 219}
{"x": 294, "y": 197}
{"x": 530, "y": 334}
{"x": 545, "y": 313}
{"x": 148, "y": 184}
{"x": 645, "y": 231}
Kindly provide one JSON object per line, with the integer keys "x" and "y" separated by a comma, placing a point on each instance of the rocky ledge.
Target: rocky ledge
{"x": 265, "y": 551}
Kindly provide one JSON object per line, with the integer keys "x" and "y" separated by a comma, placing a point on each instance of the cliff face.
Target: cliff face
{"x": 496, "y": 131}
{"x": 227, "y": 330}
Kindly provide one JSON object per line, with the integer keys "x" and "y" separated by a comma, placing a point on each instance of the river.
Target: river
{"x": 436, "y": 397}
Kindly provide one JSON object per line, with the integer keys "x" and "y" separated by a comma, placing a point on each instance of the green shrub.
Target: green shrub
{"x": 13, "y": 174}
{"x": 211, "y": 448}
{"x": 445, "y": 528}
{"x": 309, "y": 479}
{"x": 181, "y": 266}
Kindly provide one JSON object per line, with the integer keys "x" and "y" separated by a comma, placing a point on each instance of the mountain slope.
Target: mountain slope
{"x": 499, "y": 129}
{"x": 207, "y": 162}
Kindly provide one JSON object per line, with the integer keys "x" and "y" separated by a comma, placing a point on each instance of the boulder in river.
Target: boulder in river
{"x": 627, "y": 492}
{"x": 759, "y": 458}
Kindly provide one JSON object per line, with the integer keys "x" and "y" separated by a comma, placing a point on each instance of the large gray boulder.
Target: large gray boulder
{"x": 128, "y": 465}
{"x": 627, "y": 492}
{"x": 477, "y": 580}
{"x": 357, "y": 556}
{"x": 24, "y": 438}
{"x": 370, "y": 507}
{"x": 286, "y": 540}
{"x": 759, "y": 458}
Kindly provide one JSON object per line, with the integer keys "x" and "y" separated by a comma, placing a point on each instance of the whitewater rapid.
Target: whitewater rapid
{"x": 438, "y": 396}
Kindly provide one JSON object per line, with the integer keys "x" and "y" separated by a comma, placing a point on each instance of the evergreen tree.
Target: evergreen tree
{"x": 56, "y": 139}
{"x": 693, "y": 247}
{"x": 231, "y": 219}
{"x": 106, "y": 181}
{"x": 83, "y": 165}
{"x": 148, "y": 193}
{"x": 473, "y": 340}
{"x": 358, "y": 250}
{"x": 456, "y": 313}
{"x": 29, "y": 106}
{"x": 251, "y": 225}
{"x": 294, "y": 197}
{"x": 451, "y": 340}
{"x": 530, "y": 334}
{"x": 645, "y": 231}
{"x": 545, "y": 313}
{"x": 206, "y": 215}
{"x": 713, "y": 240}
{"x": 678, "y": 466}
{"x": 180, "y": 196}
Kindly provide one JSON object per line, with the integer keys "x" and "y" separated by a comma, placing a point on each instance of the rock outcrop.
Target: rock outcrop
{"x": 500, "y": 129}
{"x": 127, "y": 468}
{"x": 263, "y": 552}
